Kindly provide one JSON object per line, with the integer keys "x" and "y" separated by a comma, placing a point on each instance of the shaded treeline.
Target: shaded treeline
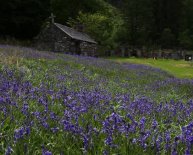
{"x": 22, "y": 18}
{"x": 138, "y": 23}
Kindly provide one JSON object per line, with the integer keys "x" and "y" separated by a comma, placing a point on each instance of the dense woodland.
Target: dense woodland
{"x": 166, "y": 24}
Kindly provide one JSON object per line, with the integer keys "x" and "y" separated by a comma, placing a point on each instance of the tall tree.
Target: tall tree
{"x": 139, "y": 21}
{"x": 66, "y": 9}
{"x": 22, "y": 19}
{"x": 167, "y": 15}
{"x": 186, "y": 28}
{"x": 104, "y": 25}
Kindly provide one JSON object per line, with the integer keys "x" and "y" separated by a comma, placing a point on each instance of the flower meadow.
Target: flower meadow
{"x": 57, "y": 104}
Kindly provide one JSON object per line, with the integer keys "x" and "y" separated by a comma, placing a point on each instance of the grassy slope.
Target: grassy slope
{"x": 116, "y": 78}
{"x": 178, "y": 68}
{"x": 93, "y": 90}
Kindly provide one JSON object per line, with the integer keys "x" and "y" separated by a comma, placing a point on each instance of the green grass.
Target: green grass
{"x": 178, "y": 68}
{"x": 89, "y": 101}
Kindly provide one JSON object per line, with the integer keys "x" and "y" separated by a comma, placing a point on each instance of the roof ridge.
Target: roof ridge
{"x": 75, "y": 34}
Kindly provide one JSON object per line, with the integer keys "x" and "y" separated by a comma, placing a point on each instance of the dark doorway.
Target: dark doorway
{"x": 77, "y": 47}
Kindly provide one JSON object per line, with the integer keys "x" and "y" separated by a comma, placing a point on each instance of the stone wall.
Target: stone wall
{"x": 88, "y": 49}
{"x": 54, "y": 39}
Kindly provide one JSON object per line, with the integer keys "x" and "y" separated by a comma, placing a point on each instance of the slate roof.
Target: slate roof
{"x": 75, "y": 34}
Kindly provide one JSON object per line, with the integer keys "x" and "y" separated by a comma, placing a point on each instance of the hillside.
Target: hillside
{"x": 62, "y": 104}
{"x": 137, "y": 24}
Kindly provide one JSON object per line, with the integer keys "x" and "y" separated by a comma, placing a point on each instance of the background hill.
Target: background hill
{"x": 137, "y": 23}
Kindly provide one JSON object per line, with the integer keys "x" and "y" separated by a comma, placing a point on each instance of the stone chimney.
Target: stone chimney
{"x": 79, "y": 27}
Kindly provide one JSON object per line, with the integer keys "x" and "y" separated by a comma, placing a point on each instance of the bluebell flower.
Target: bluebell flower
{"x": 109, "y": 140}
{"x": 187, "y": 152}
{"x": 47, "y": 153}
{"x": 55, "y": 129}
{"x": 154, "y": 124}
{"x": 19, "y": 133}
{"x": 8, "y": 151}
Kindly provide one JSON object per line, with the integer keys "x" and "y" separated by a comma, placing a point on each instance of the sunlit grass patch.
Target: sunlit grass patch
{"x": 178, "y": 68}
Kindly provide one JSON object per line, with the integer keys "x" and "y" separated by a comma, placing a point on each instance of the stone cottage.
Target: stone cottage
{"x": 60, "y": 38}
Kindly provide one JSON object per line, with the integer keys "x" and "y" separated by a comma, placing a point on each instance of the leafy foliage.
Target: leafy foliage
{"x": 105, "y": 29}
